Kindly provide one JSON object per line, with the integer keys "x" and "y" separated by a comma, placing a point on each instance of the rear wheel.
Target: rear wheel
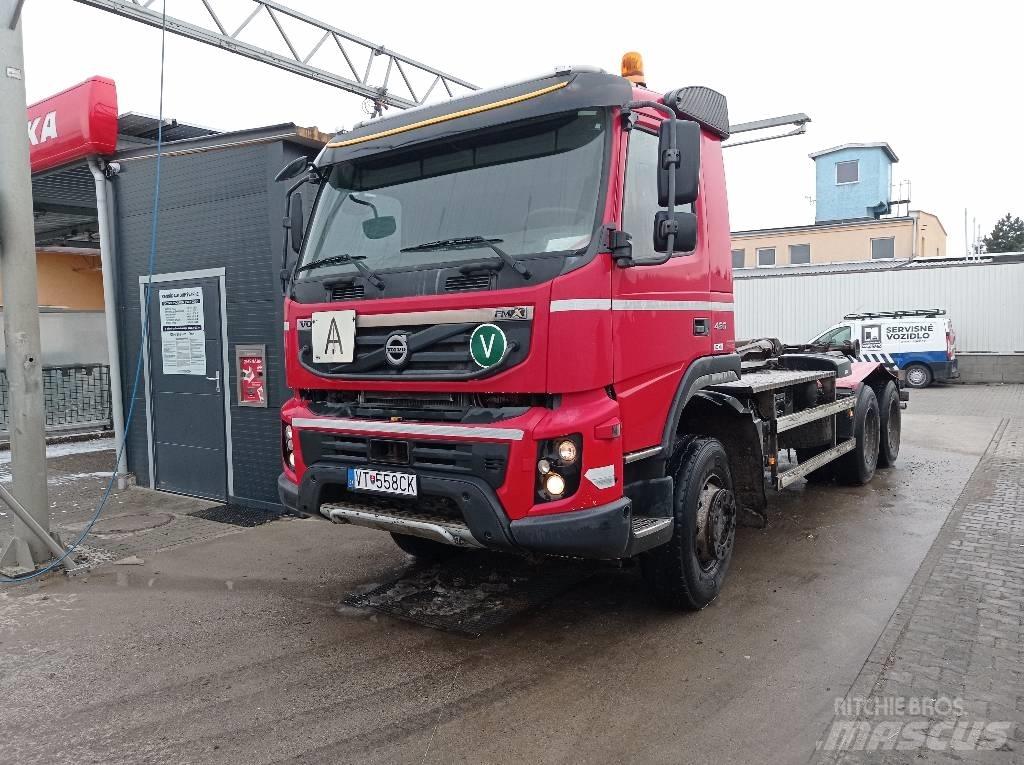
{"x": 918, "y": 376}
{"x": 857, "y": 467}
{"x": 687, "y": 571}
{"x": 890, "y": 423}
{"x": 426, "y": 550}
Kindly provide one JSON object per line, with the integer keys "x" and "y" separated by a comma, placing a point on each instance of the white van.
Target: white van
{"x": 920, "y": 342}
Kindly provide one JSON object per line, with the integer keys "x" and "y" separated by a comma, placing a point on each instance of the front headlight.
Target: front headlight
{"x": 558, "y": 467}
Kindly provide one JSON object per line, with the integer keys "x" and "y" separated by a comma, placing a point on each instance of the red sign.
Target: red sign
{"x": 76, "y": 123}
{"x": 252, "y": 385}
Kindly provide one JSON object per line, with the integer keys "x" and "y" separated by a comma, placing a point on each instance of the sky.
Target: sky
{"x": 939, "y": 81}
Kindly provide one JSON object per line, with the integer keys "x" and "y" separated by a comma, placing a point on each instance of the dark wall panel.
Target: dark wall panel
{"x": 217, "y": 209}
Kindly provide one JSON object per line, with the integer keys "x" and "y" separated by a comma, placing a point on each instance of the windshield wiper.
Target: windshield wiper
{"x": 346, "y": 259}
{"x": 469, "y": 243}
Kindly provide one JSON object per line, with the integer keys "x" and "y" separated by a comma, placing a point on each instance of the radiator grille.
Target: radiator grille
{"x": 347, "y": 292}
{"x": 468, "y": 282}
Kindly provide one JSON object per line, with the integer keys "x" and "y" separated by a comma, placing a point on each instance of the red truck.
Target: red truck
{"x": 509, "y": 324}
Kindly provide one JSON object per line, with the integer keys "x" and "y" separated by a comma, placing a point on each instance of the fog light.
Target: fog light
{"x": 567, "y": 452}
{"x": 291, "y": 460}
{"x": 544, "y": 467}
{"x": 554, "y": 484}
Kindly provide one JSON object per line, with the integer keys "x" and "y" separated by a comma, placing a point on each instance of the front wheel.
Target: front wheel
{"x": 918, "y": 376}
{"x": 687, "y": 572}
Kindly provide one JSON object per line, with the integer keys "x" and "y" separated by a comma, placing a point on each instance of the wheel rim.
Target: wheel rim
{"x": 871, "y": 439}
{"x": 916, "y": 376}
{"x": 893, "y": 427}
{"x": 716, "y": 523}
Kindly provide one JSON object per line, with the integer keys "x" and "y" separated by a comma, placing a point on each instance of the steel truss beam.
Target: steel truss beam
{"x": 384, "y": 84}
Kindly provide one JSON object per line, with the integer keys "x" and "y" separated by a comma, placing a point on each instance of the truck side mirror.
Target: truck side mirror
{"x": 296, "y": 219}
{"x": 685, "y": 224}
{"x": 292, "y": 169}
{"x": 687, "y": 171}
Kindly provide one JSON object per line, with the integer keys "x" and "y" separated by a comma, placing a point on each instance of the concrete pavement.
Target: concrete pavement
{"x": 236, "y": 648}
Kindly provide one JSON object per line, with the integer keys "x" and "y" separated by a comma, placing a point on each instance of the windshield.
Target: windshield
{"x": 532, "y": 186}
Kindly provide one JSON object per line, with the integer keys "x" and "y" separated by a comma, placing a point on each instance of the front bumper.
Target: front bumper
{"x": 597, "y": 532}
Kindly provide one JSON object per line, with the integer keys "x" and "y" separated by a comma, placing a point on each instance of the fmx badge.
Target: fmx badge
{"x": 487, "y": 345}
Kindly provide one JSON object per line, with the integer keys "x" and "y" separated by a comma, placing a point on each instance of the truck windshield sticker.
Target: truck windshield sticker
{"x": 487, "y": 345}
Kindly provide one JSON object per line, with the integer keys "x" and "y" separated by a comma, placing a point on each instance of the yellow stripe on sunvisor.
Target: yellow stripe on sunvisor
{"x": 446, "y": 117}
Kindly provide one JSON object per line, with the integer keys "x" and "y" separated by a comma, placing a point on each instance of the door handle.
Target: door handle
{"x": 217, "y": 378}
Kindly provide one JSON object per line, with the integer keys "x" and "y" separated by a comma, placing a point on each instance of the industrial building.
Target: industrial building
{"x": 853, "y": 191}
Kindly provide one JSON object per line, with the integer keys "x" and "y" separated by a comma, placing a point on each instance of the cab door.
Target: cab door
{"x": 661, "y": 315}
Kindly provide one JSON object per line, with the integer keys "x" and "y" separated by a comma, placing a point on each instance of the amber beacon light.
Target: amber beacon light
{"x": 633, "y": 68}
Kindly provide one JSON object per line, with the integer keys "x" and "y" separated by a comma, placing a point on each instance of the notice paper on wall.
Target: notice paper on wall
{"x": 183, "y": 331}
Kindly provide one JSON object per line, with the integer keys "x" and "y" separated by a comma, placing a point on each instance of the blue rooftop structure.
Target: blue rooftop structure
{"x": 853, "y": 181}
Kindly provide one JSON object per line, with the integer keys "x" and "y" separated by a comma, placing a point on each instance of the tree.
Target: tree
{"x": 1007, "y": 236}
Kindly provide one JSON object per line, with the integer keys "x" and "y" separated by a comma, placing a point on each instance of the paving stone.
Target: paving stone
{"x": 957, "y": 633}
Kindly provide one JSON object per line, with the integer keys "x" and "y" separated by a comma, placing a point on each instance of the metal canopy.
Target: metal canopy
{"x": 397, "y": 80}
{"x": 64, "y": 207}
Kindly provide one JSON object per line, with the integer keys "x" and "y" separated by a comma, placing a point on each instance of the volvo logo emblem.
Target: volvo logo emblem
{"x": 396, "y": 349}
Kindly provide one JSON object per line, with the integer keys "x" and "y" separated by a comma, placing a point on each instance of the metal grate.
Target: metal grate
{"x": 468, "y": 283}
{"x": 236, "y": 515}
{"x": 75, "y": 396}
{"x": 347, "y": 292}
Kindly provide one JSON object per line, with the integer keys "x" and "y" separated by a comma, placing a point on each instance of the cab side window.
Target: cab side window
{"x": 641, "y": 193}
{"x": 836, "y": 336}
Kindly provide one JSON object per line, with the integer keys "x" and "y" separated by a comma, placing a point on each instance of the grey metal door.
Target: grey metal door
{"x": 187, "y": 387}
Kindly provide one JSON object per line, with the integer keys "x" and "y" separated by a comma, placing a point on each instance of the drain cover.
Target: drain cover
{"x": 235, "y": 515}
{"x": 473, "y": 593}
{"x": 130, "y": 523}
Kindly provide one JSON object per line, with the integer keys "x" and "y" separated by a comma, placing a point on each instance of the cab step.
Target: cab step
{"x": 647, "y": 532}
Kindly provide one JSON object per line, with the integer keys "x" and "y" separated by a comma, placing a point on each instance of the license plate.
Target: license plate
{"x": 382, "y": 481}
{"x": 334, "y": 337}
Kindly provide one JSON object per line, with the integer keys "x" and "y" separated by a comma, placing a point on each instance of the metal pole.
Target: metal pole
{"x": 26, "y": 517}
{"x": 21, "y": 304}
{"x": 110, "y": 315}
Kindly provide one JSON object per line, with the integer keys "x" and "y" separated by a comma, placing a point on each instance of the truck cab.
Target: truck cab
{"x": 505, "y": 323}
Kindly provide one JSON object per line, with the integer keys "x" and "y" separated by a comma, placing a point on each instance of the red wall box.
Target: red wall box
{"x": 73, "y": 124}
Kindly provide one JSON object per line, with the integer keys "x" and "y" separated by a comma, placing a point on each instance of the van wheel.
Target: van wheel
{"x": 687, "y": 571}
{"x": 918, "y": 376}
{"x": 426, "y": 550}
{"x": 890, "y": 422}
{"x": 857, "y": 467}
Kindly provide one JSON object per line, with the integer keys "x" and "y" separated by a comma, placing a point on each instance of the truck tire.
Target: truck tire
{"x": 687, "y": 571}
{"x": 890, "y": 418}
{"x": 918, "y": 375}
{"x": 426, "y": 550}
{"x": 857, "y": 467}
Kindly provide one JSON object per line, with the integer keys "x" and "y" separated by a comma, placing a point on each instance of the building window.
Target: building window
{"x": 766, "y": 256}
{"x": 882, "y": 249}
{"x": 799, "y": 254}
{"x": 739, "y": 258}
{"x": 848, "y": 172}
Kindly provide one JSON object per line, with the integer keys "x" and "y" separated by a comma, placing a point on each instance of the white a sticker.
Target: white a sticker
{"x": 601, "y": 477}
{"x": 334, "y": 337}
